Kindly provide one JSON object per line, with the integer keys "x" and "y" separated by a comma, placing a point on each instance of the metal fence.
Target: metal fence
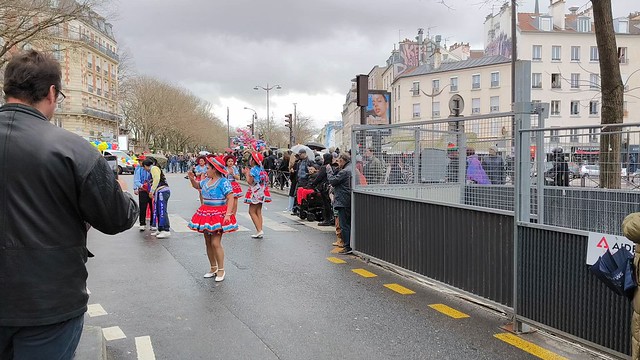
{"x": 516, "y": 211}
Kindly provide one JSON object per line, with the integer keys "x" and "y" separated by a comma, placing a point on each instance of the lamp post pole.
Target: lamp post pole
{"x": 253, "y": 120}
{"x": 268, "y": 89}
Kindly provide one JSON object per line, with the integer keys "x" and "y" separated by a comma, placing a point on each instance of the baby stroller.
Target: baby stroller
{"x": 310, "y": 201}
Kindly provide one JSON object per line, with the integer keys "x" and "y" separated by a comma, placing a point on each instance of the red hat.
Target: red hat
{"x": 217, "y": 162}
{"x": 257, "y": 157}
{"x": 141, "y": 157}
{"x": 226, "y": 158}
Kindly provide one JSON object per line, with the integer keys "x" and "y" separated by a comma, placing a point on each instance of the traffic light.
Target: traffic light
{"x": 289, "y": 121}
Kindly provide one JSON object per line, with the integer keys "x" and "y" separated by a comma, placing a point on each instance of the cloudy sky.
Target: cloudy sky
{"x": 222, "y": 49}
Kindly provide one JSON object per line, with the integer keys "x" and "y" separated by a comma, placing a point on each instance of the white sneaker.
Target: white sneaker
{"x": 155, "y": 233}
{"x": 154, "y": 228}
{"x": 143, "y": 227}
{"x": 257, "y": 236}
{"x": 209, "y": 275}
{"x": 163, "y": 235}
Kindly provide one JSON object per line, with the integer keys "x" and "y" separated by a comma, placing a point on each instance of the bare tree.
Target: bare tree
{"x": 31, "y": 21}
{"x": 612, "y": 90}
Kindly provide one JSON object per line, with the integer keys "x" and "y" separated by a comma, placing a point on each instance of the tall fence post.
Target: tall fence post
{"x": 522, "y": 188}
{"x": 354, "y": 154}
{"x": 416, "y": 162}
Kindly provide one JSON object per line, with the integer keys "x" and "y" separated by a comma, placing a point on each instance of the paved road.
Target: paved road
{"x": 282, "y": 299}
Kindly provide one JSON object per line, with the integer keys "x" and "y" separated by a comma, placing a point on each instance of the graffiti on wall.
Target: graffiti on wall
{"x": 500, "y": 45}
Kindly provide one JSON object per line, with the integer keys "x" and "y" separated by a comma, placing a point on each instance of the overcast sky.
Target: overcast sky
{"x": 221, "y": 49}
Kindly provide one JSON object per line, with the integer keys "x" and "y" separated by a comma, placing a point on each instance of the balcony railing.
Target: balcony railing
{"x": 100, "y": 114}
{"x": 69, "y": 35}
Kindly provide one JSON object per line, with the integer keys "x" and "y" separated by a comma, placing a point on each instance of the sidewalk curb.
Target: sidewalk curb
{"x": 92, "y": 344}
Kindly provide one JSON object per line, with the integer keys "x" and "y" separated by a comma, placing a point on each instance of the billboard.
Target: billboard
{"x": 378, "y": 108}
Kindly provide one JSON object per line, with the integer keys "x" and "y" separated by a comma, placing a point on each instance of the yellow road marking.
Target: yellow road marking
{"x": 529, "y": 347}
{"x": 399, "y": 289}
{"x": 449, "y": 311}
{"x": 364, "y": 273}
{"x": 335, "y": 260}
{"x": 336, "y": 250}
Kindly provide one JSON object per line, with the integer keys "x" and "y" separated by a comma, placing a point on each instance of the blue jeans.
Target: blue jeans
{"x": 344, "y": 217}
{"x": 48, "y": 342}
{"x": 160, "y": 210}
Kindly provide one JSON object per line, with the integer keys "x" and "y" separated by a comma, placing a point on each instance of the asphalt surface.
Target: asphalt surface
{"x": 281, "y": 299}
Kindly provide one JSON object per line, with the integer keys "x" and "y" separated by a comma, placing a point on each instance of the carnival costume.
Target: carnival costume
{"x": 258, "y": 193}
{"x": 209, "y": 218}
{"x": 237, "y": 190}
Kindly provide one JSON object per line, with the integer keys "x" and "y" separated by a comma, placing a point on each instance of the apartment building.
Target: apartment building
{"x": 87, "y": 51}
{"x": 565, "y": 70}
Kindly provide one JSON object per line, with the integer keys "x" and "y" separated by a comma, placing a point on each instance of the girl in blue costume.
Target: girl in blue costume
{"x": 258, "y": 192}
{"x": 233, "y": 176}
{"x": 201, "y": 172}
{"x": 215, "y": 216}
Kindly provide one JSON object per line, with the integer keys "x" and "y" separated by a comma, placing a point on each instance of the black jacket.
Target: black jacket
{"x": 52, "y": 184}
{"x": 341, "y": 183}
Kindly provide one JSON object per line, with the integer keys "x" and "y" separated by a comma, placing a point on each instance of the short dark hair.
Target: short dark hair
{"x": 147, "y": 162}
{"x": 30, "y": 74}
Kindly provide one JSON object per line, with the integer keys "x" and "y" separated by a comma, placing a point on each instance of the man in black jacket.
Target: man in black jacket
{"x": 50, "y": 194}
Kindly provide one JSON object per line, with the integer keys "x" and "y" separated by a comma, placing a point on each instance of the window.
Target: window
{"x": 536, "y": 80}
{"x": 545, "y": 23}
{"x": 56, "y": 51}
{"x": 495, "y": 79}
{"x": 494, "y": 103}
{"x": 454, "y": 84}
{"x": 594, "y": 81}
{"x": 556, "y": 81}
{"x": 593, "y": 107}
{"x": 556, "y": 52}
{"x": 593, "y": 135}
{"x": 98, "y": 65}
{"x": 574, "y": 135}
{"x": 575, "y": 107}
{"x": 90, "y": 61}
{"x": 475, "y": 81}
{"x": 555, "y": 136}
{"x": 575, "y": 53}
{"x": 435, "y": 86}
{"x": 416, "y": 111}
{"x": 475, "y": 106}
{"x": 398, "y": 91}
{"x": 622, "y": 55}
{"x": 575, "y": 81}
{"x": 555, "y": 107}
{"x": 536, "y": 53}
{"x": 435, "y": 112}
{"x": 584, "y": 24}
{"x": 415, "y": 89}
{"x": 593, "y": 54}
{"x": 623, "y": 26}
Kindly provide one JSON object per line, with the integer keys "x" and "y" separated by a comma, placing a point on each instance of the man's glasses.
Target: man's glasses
{"x": 61, "y": 96}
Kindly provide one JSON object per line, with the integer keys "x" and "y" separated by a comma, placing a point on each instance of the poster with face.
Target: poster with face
{"x": 378, "y": 108}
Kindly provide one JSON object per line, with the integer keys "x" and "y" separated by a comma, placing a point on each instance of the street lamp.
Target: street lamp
{"x": 267, "y": 89}
{"x": 253, "y": 120}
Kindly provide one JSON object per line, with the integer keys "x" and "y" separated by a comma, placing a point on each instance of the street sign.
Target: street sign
{"x": 599, "y": 243}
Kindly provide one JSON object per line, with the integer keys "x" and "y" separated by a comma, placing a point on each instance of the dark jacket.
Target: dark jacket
{"x": 52, "y": 184}
{"x": 341, "y": 183}
{"x": 493, "y": 166}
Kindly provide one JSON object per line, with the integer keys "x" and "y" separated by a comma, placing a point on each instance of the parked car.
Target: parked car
{"x": 125, "y": 162}
{"x": 113, "y": 163}
{"x": 594, "y": 170}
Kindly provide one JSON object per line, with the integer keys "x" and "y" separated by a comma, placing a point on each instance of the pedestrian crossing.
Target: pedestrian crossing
{"x": 278, "y": 222}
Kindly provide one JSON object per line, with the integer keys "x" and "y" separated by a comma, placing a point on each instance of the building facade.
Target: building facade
{"x": 423, "y": 93}
{"x": 565, "y": 69}
{"x": 87, "y": 51}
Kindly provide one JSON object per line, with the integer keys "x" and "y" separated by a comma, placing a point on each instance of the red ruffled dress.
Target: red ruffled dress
{"x": 209, "y": 218}
{"x": 258, "y": 193}
{"x": 235, "y": 187}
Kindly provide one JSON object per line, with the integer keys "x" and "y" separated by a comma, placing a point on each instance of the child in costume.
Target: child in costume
{"x": 215, "y": 216}
{"x": 233, "y": 176}
{"x": 258, "y": 192}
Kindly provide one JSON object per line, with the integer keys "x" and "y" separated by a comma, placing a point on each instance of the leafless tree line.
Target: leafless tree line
{"x": 165, "y": 117}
